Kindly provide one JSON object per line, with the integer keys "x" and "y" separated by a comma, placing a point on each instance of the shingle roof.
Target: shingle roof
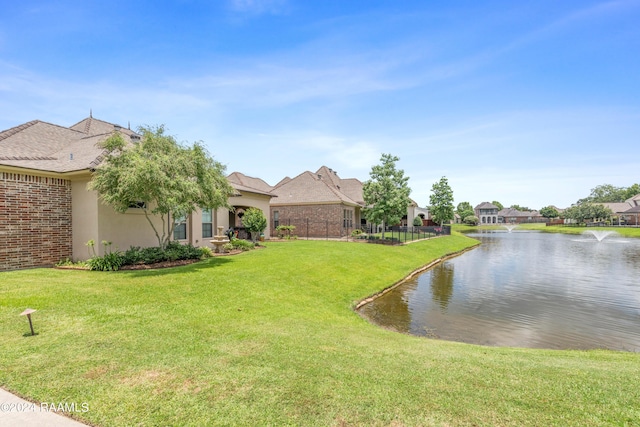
{"x": 249, "y": 182}
{"x": 486, "y": 205}
{"x": 618, "y": 207}
{"x": 324, "y": 186}
{"x": 48, "y": 147}
{"x": 511, "y": 212}
{"x": 634, "y": 201}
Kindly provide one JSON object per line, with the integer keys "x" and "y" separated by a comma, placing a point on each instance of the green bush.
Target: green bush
{"x": 417, "y": 221}
{"x": 173, "y": 252}
{"x": 109, "y": 262}
{"x": 137, "y": 255}
{"x": 241, "y": 244}
{"x": 471, "y": 220}
{"x": 205, "y": 252}
{"x": 284, "y": 231}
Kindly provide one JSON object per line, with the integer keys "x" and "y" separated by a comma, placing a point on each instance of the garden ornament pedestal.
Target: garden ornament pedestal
{"x": 219, "y": 240}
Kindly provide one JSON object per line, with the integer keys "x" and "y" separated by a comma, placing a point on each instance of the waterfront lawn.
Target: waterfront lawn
{"x": 621, "y": 231}
{"x": 268, "y": 337}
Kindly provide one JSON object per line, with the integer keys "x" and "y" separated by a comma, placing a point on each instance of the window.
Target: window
{"x": 276, "y": 219}
{"x": 347, "y": 218}
{"x": 180, "y": 228}
{"x": 138, "y": 205}
{"x": 207, "y": 223}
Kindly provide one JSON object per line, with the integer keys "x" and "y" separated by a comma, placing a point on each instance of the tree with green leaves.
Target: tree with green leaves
{"x": 386, "y": 194}
{"x": 588, "y": 211}
{"x": 255, "y": 222}
{"x": 549, "y": 212}
{"x": 632, "y": 191}
{"x": 607, "y": 193}
{"x": 163, "y": 178}
{"x": 441, "y": 201}
{"x": 520, "y": 208}
{"x": 464, "y": 209}
{"x": 499, "y": 205}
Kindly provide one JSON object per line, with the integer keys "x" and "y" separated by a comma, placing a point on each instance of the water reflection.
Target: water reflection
{"x": 525, "y": 289}
{"x": 442, "y": 285}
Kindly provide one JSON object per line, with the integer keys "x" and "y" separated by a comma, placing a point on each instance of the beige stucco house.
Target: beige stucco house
{"x": 47, "y": 213}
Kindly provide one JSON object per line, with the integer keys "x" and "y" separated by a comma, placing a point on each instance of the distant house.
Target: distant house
{"x": 47, "y": 214}
{"x": 321, "y": 204}
{"x": 251, "y": 193}
{"x": 514, "y": 216}
{"x": 626, "y": 213}
{"x": 487, "y": 213}
{"x": 318, "y": 204}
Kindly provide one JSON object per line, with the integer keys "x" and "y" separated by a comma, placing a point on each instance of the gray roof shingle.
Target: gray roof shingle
{"x": 44, "y": 146}
{"x": 323, "y": 186}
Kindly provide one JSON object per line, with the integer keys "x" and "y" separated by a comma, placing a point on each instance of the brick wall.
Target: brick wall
{"x": 35, "y": 221}
{"x": 319, "y": 221}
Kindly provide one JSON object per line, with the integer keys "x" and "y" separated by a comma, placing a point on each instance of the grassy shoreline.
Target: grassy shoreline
{"x": 622, "y": 231}
{"x": 270, "y": 337}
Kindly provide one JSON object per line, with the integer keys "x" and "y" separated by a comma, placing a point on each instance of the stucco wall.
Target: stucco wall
{"x": 35, "y": 220}
{"x": 93, "y": 220}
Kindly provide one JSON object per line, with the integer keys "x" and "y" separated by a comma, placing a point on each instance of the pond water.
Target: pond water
{"x": 525, "y": 289}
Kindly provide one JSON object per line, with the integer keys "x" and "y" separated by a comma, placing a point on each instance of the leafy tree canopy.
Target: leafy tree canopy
{"x": 607, "y": 193}
{"x": 498, "y": 204}
{"x": 464, "y": 206}
{"x": 549, "y": 212}
{"x": 169, "y": 179}
{"x": 520, "y": 208}
{"x": 441, "y": 201}
{"x": 587, "y": 211}
{"x": 464, "y": 209}
{"x": 386, "y": 194}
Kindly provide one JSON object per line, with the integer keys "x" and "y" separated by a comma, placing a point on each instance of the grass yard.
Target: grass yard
{"x": 269, "y": 337}
{"x": 621, "y": 231}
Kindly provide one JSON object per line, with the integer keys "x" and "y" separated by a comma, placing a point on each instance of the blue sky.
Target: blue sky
{"x": 529, "y": 103}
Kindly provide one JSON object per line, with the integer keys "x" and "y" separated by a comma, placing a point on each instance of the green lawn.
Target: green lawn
{"x": 622, "y": 231}
{"x": 269, "y": 337}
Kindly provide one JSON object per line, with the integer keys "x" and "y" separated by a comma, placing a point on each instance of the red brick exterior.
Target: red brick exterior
{"x": 316, "y": 221}
{"x": 35, "y": 221}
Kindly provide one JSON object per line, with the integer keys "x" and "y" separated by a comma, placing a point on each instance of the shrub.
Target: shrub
{"x": 205, "y": 252}
{"x": 241, "y": 244}
{"x": 111, "y": 261}
{"x": 417, "y": 221}
{"x": 284, "y": 231}
{"x": 255, "y": 222}
{"x": 173, "y": 252}
{"x": 471, "y": 220}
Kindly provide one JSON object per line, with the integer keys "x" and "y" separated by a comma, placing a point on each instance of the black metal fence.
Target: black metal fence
{"x": 308, "y": 228}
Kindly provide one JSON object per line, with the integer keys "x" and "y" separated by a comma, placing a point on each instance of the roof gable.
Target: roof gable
{"x": 309, "y": 187}
{"x": 486, "y": 205}
{"x": 249, "y": 181}
{"x": 48, "y": 147}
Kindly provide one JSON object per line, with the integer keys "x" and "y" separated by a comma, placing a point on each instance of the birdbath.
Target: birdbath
{"x": 219, "y": 240}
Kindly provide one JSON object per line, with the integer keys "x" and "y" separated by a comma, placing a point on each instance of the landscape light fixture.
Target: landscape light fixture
{"x": 27, "y": 313}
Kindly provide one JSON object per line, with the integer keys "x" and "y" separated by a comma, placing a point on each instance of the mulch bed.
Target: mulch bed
{"x": 158, "y": 265}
